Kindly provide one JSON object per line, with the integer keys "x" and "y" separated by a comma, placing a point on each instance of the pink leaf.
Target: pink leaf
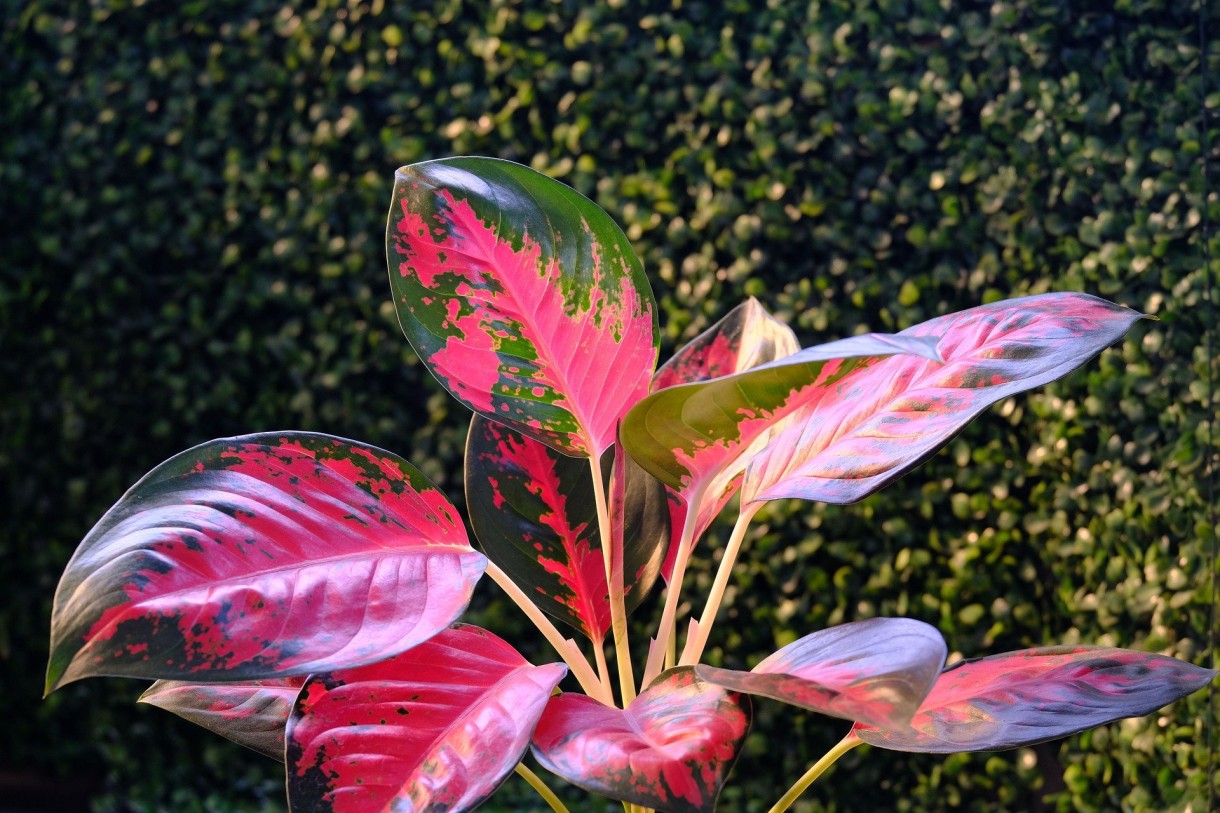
{"x": 262, "y": 556}
{"x": 877, "y": 671}
{"x": 670, "y": 749}
{"x": 883, "y": 421}
{"x": 1035, "y": 695}
{"x": 436, "y": 728}
{"x": 523, "y": 298}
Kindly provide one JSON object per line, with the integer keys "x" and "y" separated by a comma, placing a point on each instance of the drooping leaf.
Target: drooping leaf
{"x": 1035, "y": 695}
{"x": 262, "y": 556}
{"x": 746, "y": 337}
{"x": 694, "y": 435}
{"x": 436, "y": 728}
{"x": 888, "y": 419}
{"x": 875, "y": 671}
{"x": 671, "y": 748}
{"x": 522, "y": 297}
{"x": 252, "y": 713}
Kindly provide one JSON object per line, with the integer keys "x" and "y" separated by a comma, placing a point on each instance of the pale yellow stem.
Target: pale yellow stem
{"x": 566, "y": 647}
{"x": 696, "y": 642}
{"x": 666, "y": 629}
{"x": 543, "y": 791}
{"x": 614, "y": 581}
{"x": 846, "y": 744}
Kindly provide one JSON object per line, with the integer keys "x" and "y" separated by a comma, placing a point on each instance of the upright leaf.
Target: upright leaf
{"x": 890, "y": 418}
{"x": 434, "y": 729}
{"x": 1035, "y": 695}
{"x": 262, "y": 556}
{"x": 876, "y": 671}
{"x": 694, "y": 435}
{"x": 523, "y": 298}
{"x": 746, "y": 337}
{"x": 252, "y": 713}
{"x": 670, "y": 749}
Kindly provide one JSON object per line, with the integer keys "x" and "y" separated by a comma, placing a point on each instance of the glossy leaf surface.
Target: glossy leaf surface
{"x": 691, "y": 435}
{"x": 1035, "y": 695}
{"x": 746, "y": 337}
{"x": 671, "y": 748}
{"x": 262, "y": 556}
{"x": 253, "y": 713}
{"x": 876, "y": 671}
{"x": 436, "y": 728}
{"x": 524, "y": 299}
{"x": 888, "y": 419}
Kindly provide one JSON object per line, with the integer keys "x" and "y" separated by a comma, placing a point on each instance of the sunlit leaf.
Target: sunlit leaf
{"x": 522, "y": 297}
{"x": 746, "y": 337}
{"x": 671, "y": 748}
{"x": 1034, "y": 695}
{"x": 886, "y": 420}
{"x": 693, "y": 435}
{"x": 877, "y": 671}
{"x": 262, "y": 556}
{"x": 252, "y": 713}
{"x": 436, "y": 728}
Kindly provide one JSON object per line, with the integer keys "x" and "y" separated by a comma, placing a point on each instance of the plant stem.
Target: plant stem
{"x": 695, "y": 643}
{"x": 540, "y": 786}
{"x": 599, "y": 657}
{"x": 846, "y": 744}
{"x": 666, "y": 629}
{"x": 614, "y": 580}
{"x": 566, "y": 647}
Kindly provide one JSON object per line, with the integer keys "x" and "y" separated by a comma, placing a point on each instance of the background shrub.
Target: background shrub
{"x": 193, "y": 200}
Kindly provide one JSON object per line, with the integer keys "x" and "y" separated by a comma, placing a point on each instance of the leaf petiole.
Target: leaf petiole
{"x": 698, "y": 640}
{"x": 537, "y": 784}
{"x": 666, "y": 630}
{"x": 817, "y": 769}
{"x": 614, "y": 581}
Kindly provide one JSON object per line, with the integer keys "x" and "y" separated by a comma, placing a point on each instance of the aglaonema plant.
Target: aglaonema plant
{"x": 300, "y": 593}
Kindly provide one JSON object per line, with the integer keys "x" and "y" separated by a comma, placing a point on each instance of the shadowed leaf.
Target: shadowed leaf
{"x": 524, "y": 299}
{"x": 888, "y": 419}
{"x": 436, "y": 728}
{"x": 253, "y": 714}
{"x": 670, "y": 749}
{"x": 262, "y": 556}
{"x": 877, "y": 671}
{"x": 1035, "y": 695}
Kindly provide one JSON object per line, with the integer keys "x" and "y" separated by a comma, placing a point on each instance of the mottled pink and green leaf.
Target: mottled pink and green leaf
{"x": 436, "y": 728}
{"x": 262, "y": 556}
{"x": 523, "y": 298}
{"x": 671, "y": 749}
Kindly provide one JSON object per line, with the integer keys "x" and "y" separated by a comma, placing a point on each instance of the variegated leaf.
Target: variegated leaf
{"x": 883, "y": 422}
{"x": 253, "y": 713}
{"x": 1035, "y": 695}
{"x": 262, "y": 556}
{"x": 671, "y": 749}
{"x": 876, "y": 671}
{"x": 436, "y": 728}
{"x": 523, "y": 298}
{"x": 693, "y": 435}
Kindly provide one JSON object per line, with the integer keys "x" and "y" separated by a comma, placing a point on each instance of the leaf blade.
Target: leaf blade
{"x": 670, "y": 749}
{"x": 876, "y": 671}
{"x": 1035, "y": 695}
{"x": 521, "y": 296}
{"x": 892, "y": 417}
{"x": 262, "y": 556}
{"x": 435, "y": 728}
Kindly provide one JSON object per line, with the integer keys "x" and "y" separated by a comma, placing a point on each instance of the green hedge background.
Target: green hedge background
{"x": 193, "y": 197}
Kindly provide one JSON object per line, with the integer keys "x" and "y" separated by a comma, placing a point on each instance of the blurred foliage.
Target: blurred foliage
{"x": 193, "y": 200}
